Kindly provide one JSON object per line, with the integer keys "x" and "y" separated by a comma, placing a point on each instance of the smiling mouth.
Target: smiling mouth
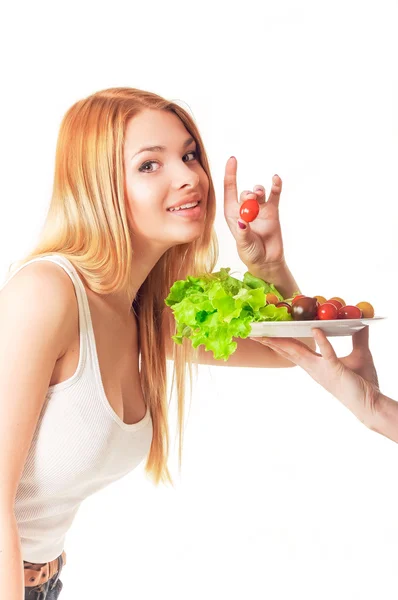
{"x": 184, "y": 206}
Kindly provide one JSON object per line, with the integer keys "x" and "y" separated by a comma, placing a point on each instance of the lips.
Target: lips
{"x": 188, "y": 202}
{"x": 184, "y": 206}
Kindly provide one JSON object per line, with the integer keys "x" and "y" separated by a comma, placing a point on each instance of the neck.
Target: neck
{"x": 143, "y": 263}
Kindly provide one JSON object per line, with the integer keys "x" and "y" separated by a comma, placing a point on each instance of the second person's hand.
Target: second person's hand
{"x": 352, "y": 379}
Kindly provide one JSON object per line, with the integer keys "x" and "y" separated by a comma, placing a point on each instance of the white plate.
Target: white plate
{"x": 303, "y": 328}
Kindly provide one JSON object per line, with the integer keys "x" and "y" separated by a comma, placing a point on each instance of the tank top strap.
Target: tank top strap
{"x": 87, "y": 341}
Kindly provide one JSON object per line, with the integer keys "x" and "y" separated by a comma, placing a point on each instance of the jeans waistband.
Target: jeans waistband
{"x": 37, "y": 573}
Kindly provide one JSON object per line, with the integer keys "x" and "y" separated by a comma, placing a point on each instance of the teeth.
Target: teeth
{"x": 190, "y": 205}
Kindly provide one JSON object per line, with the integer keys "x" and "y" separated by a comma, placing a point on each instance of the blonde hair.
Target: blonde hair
{"x": 87, "y": 223}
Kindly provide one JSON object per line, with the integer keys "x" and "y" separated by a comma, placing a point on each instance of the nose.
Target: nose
{"x": 184, "y": 176}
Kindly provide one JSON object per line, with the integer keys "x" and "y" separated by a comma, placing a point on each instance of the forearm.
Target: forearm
{"x": 11, "y": 563}
{"x": 280, "y": 276}
{"x": 385, "y": 419}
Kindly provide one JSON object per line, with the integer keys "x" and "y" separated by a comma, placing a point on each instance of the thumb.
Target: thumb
{"x": 244, "y": 235}
{"x": 324, "y": 345}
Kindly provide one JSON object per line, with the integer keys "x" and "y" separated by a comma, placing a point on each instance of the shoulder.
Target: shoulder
{"x": 41, "y": 295}
{"x": 41, "y": 280}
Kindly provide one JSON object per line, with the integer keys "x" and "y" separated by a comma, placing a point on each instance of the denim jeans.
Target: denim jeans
{"x": 46, "y": 591}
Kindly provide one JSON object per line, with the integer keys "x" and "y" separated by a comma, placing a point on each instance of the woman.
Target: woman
{"x": 84, "y": 329}
{"x": 352, "y": 379}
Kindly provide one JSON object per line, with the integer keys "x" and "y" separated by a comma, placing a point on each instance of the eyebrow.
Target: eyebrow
{"x": 187, "y": 143}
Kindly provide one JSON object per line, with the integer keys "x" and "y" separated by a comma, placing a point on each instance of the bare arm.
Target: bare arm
{"x": 35, "y": 326}
{"x": 249, "y": 353}
{"x": 352, "y": 379}
{"x": 385, "y": 419}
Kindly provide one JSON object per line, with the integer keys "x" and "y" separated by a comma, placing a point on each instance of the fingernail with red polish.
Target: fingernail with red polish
{"x": 242, "y": 225}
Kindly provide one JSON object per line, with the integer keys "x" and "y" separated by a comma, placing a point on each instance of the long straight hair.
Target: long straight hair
{"x": 87, "y": 223}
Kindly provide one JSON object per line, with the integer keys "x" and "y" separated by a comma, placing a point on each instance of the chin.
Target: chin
{"x": 188, "y": 236}
{"x": 187, "y": 240}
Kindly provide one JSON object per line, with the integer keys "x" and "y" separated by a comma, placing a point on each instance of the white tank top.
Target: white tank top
{"x": 80, "y": 445}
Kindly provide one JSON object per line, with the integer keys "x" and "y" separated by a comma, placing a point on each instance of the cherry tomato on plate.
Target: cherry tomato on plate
{"x": 271, "y": 298}
{"x": 327, "y": 312}
{"x": 335, "y": 303}
{"x": 350, "y": 312}
{"x": 249, "y": 210}
{"x": 368, "y": 312}
{"x": 285, "y": 305}
{"x": 305, "y": 309}
{"x": 338, "y": 299}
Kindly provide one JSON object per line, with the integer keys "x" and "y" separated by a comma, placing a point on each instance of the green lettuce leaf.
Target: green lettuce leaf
{"x": 255, "y": 282}
{"x": 213, "y": 310}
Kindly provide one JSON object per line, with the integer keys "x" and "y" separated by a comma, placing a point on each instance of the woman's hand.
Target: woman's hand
{"x": 259, "y": 244}
{"x": 352, "y": 379}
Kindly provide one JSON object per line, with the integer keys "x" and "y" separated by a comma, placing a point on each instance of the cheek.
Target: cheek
{"x": 144, "y": 199}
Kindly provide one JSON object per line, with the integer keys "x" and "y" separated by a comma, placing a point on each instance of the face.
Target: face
{"x": 166, "y": 186}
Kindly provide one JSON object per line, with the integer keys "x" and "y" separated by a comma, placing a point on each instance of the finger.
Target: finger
{"x": 267, "y": 342}
{"x": 296, "y": 351}
{"x": 287, "y": 344}
{"x": 360, "y": 339}
{"x": 276, "y": 190}
{"x": 230, "y": 188}
{"x": 243, "y": 235}
{"x": 324, "y": 345}
{"x": 247, "y": 195}
{"x": 260, "y": 193}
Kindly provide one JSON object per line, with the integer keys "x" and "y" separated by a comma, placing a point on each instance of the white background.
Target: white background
{"x": 284, "y": 494}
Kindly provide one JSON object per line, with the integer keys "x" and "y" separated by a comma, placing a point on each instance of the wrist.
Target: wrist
{"x": 279, "y": 274}
{"x": 385, "y": 417}
{"x": 268, "y": 269}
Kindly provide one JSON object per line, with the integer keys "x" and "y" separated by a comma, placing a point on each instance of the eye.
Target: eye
{"x": 144, "y": 168}
{"x": 192, "y": 153}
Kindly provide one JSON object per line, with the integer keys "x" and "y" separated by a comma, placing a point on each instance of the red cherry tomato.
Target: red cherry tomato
{"x": 327, "y": 312}
{"x": 350, "y": 312}
{"x": 339, "y": 299}
{"x": 335, "y": 303}
{"x": 285, "y": 305}
{"x": 249, "y": 210}
{"x": 297, "y": 298}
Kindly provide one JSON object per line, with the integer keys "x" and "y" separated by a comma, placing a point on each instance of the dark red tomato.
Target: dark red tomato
{"x": 249, "y": 210}
{"x": 327, "y": 312}
{"x": 335, "y": 303}
{"x": 305, "y": 309}
{"x": 350, "y": 312}
{"x": 298, "y": 298}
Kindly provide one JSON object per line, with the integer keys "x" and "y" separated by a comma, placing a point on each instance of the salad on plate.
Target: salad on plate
{"x": 214, "y": 309}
